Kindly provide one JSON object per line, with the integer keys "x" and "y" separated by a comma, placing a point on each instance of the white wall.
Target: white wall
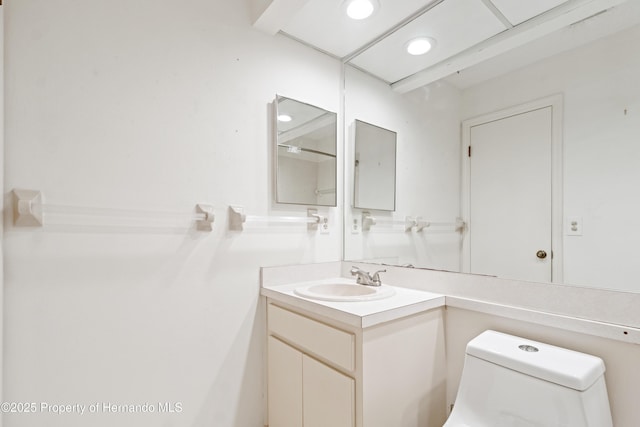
{"x": 427, "y": 171}
{"x": 601, "y": 153}
{"x": 154, "y": 105}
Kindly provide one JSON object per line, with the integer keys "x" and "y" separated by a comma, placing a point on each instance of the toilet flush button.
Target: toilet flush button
{"x": 528, "y": 348}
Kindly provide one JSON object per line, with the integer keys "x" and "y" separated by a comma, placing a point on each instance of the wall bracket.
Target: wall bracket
{"x": 205, "y": 224}
{"x": 367, "y": 221}
{"x": 313, "y": 213}
{"x": 25, "y": 213}
{"x": 237, "y": 217}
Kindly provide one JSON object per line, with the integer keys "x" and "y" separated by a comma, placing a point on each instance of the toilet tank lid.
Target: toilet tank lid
{"x": 558, "y": 365}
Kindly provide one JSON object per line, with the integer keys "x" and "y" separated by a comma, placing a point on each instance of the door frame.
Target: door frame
{"x": 556, "y": 102}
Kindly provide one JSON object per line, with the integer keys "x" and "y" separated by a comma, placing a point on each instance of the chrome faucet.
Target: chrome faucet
{"x": 364, "y": 278}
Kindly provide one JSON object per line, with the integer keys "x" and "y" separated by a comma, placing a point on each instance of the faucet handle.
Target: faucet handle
{"x": 376, "y": 277}
{"x": 362, "y": 277}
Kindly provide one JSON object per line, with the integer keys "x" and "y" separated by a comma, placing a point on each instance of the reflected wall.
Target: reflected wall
{"x": 601, "y": 158}
{"x": 427, "y": 124}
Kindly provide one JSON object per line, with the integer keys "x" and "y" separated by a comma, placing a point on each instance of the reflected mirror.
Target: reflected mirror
{"x": 426, "y": 174}
{"x": 306, "y": 153}
{"x": 374, "y": 167}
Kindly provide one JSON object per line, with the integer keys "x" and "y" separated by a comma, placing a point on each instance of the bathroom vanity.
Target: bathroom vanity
{"x": 377, "y": 362}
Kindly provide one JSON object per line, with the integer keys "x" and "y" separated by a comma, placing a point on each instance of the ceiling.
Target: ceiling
{"x": 474, "y": 39}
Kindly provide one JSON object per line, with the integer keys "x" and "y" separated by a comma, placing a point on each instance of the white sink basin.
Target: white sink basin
{"x": 344, "y": 292}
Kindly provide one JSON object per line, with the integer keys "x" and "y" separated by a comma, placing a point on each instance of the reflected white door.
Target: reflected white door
{"x": 510, "y": 196}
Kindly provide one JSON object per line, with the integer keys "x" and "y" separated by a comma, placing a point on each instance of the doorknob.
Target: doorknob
{"x": 541, "y": 254}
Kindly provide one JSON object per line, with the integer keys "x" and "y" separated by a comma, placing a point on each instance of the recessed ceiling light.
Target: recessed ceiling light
{"x": 284, "y": 118}
{"x": 360, "y": 9}
{"x": 420, "y": 45}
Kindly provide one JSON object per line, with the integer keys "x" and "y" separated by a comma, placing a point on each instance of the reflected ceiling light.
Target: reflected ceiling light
{"x": 420, "y": 45}
{"x": 284, "y": 118}
{"x": 360, "y": 9}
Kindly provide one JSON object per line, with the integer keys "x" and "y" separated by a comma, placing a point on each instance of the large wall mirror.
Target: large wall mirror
{"x": 593, "y": 66}
{"x": 374, "y": 167}
{"x": 306, "y": 144}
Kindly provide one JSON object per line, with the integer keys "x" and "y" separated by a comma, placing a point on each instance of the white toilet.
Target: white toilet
{"x": 509, "y": 381}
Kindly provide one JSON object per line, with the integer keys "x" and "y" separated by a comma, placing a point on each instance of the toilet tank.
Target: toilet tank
{"x": 508, "y": 381}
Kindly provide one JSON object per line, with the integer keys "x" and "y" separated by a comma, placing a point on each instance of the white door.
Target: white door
{"x": 510, "y": 196}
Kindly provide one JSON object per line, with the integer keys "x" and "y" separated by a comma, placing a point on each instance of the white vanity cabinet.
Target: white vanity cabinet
{"x": 306, "y": 392}
{"x": 328, "y": 373}
{"x": 303, "y": 391}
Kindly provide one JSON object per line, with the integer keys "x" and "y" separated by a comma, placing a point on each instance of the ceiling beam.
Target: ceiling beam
{"x": 496, "y": 12}
{"x": 270, "y": 16}
{"x": 546, "y": 23}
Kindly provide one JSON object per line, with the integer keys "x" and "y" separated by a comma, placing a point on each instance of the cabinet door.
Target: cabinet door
{"x": 329, "y": 396}
{"x": 285, "y": 385}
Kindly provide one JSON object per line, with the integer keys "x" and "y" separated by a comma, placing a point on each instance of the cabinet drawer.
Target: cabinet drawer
{"x": 333, "y": 344}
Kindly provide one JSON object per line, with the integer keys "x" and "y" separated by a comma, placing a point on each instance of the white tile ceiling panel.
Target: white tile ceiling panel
{"x": 518, "y": 11}
{"x": 324, "y": 24}
{"x": 455, "y": 25}
{"x": 617, "y": 19}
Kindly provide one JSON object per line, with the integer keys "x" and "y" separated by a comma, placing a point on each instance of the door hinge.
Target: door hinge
{"x": 469, "y": 151}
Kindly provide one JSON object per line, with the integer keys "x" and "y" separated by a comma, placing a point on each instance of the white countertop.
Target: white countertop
{"x": 594, "y": 312}
{"x": 363, "y": 314}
